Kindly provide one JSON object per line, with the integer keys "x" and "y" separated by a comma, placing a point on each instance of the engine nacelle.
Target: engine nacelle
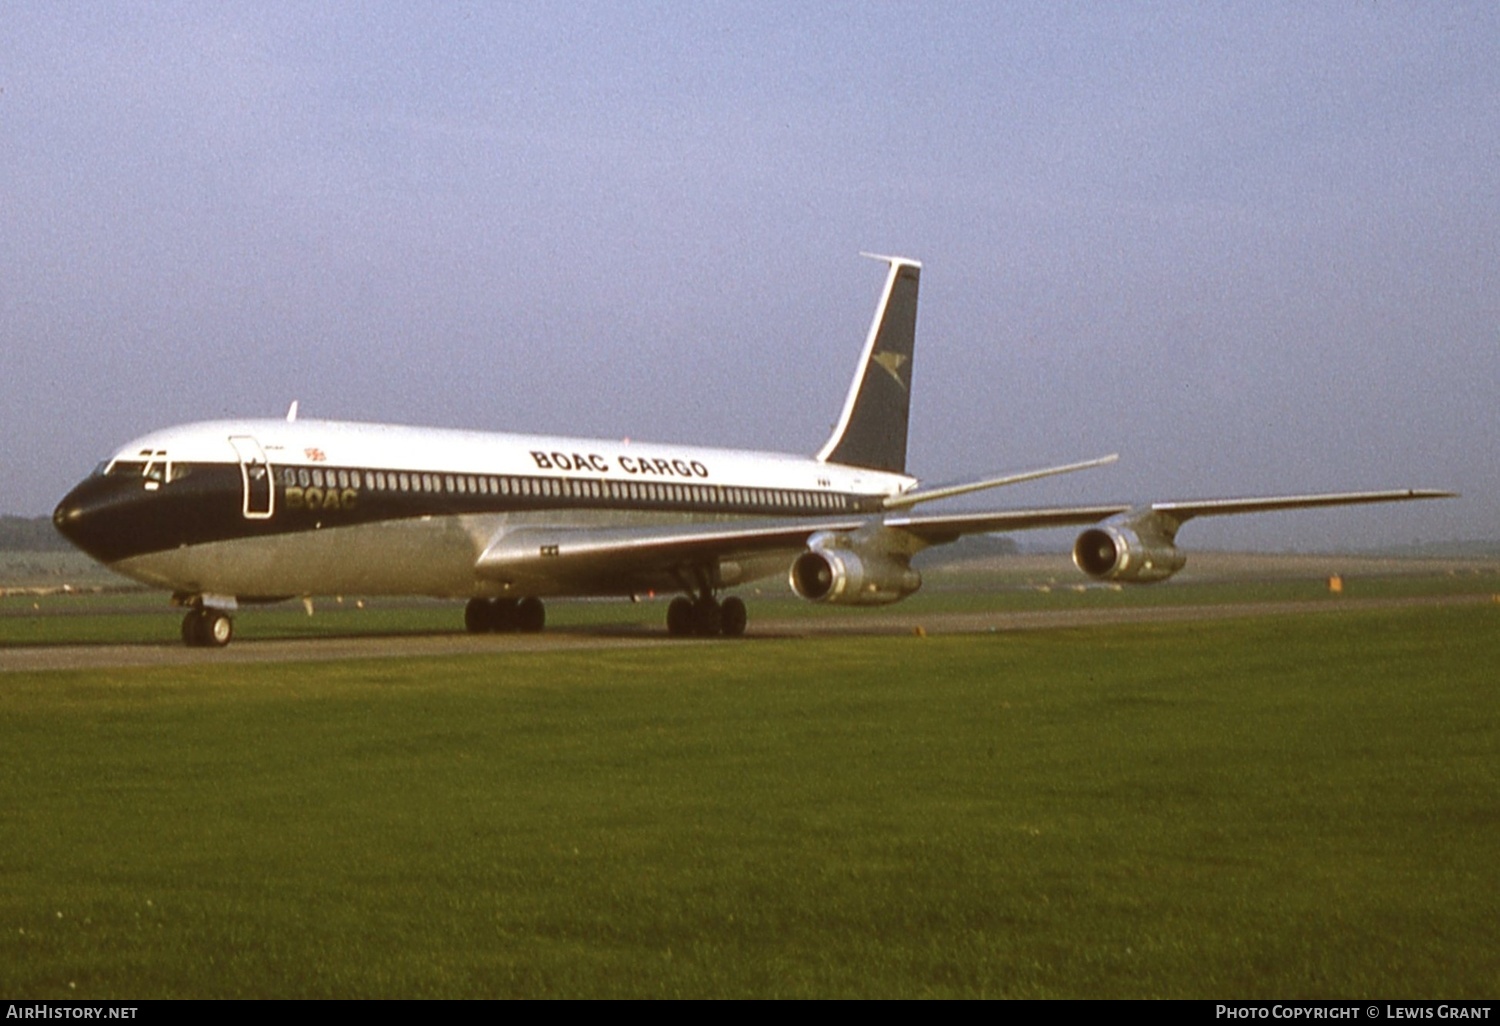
{"x": 1136, "y": 549}
{"x": 846, "y": 577}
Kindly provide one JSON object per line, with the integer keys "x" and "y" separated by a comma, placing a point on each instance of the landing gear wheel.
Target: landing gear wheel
{"x": 733, "y": 616}
{"x": 708, "y": 618}
{"x": 504, "y": 616}
{"x": 218, "y": 628}
{"x": 478, "y": 616}
{"x": 485, "y": 616}
{"x": 531, "y": 615}
{"x": 207, "y": 628}
{"x": 680, "y": 617}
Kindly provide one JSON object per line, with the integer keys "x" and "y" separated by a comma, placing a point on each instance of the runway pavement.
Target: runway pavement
{"x": 857, "y": 623}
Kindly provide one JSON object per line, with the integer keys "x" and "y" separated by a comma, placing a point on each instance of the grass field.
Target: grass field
{"x": 1265, "y": 807}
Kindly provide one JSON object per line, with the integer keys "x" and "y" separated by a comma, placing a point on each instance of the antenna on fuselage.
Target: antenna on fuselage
{"x": 291, "y": 412}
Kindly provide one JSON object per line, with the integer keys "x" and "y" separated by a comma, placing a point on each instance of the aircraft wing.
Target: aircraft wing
{"x": 635, "y": 559}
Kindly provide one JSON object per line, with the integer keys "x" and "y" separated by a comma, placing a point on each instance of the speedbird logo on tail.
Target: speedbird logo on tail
{"x": 891, "y": 364}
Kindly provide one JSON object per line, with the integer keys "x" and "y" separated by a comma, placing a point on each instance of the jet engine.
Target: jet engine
{"x": 833, "y": 570}
{"x": 1136, "y": 548}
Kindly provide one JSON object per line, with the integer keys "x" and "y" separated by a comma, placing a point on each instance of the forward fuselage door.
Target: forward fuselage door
{"x": 255, "y": 472}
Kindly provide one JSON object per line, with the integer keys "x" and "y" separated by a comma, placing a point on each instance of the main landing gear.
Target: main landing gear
{"x": 500, "y": 616}
{"x": 703, "y": 617}
{"x": 706, "y": 617}
{"x": 204, "y": 627}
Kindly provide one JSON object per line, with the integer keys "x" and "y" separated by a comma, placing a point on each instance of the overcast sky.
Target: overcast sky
{"x": 1254, "y": 248}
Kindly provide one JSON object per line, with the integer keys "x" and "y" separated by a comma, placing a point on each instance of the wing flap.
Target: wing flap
{"x": 910, "y": 499}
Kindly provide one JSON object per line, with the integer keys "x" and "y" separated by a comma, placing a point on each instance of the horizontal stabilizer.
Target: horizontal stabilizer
{"x": 933, "y": 494}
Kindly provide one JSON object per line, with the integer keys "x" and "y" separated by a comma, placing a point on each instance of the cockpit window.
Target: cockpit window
{"x": 154, "y": 466}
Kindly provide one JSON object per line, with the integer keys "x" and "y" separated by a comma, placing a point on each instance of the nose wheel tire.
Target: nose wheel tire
{"x": 207, "y": 628}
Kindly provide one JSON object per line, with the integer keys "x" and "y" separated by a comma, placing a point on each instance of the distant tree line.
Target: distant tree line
{"x": 30, "y": 534}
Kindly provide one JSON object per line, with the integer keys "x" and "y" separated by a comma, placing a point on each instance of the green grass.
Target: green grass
{"x": 1269, "y": 807}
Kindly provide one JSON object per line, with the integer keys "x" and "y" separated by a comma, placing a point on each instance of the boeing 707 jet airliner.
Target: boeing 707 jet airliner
{"x": 234, "y": 512}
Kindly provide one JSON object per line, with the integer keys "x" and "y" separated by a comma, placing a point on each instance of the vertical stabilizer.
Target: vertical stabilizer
{"x": 871, "y": 431}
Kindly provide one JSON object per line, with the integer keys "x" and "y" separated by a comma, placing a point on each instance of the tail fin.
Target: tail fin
{"x": 871, "y": 431}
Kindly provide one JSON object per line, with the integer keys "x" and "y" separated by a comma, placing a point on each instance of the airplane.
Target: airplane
{"x": 239, "y": 512}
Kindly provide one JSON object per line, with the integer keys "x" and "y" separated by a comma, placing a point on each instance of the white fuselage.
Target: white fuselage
{"x": 322, "y": 507}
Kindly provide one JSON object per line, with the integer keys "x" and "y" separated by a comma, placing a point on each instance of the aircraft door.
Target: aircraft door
{"x": 255, "y": 472}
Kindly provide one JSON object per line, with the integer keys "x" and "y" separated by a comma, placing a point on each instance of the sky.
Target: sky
{"x": 1254, "y": 248}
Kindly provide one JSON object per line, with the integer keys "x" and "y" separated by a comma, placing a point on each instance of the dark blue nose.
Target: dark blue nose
{"x": 96, "y": 515}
